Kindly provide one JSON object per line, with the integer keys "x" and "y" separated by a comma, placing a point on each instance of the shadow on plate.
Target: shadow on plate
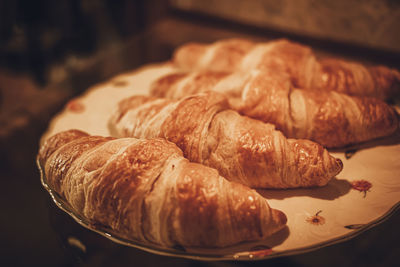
{"x": 334, "y": 189}
{"x": 349, "y": 151}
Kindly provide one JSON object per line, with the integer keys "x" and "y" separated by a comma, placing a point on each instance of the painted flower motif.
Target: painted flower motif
{"x": 75, "y": 106}
{"x": 316, "y": 219}
{"x": 362, "y": 186}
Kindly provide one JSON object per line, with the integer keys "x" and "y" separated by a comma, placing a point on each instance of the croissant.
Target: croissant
{"x": 241, "y": 149}
{"x": 328, "y": 118}
{"x": 146, "y": 190}
{"x": 298, "y": 61}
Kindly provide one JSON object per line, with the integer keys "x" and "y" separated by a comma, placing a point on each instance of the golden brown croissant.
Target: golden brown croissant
{"x": 329, "y": 118}
{"x": 241, "y": 149}
{"x": 145, "y": 190}
{"x": 304, "y": 68}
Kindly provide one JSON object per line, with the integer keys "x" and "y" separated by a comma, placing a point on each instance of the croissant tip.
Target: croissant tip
{"x": 280, "y": 217}
{"x": 339, "y": 163}
{"x": 396, "y": 73}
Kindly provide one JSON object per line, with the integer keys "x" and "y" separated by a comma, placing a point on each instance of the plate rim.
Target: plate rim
{"x": 237, "y": 256}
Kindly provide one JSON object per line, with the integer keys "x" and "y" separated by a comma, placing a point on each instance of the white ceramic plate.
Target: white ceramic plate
{"x": 365, "y": 193}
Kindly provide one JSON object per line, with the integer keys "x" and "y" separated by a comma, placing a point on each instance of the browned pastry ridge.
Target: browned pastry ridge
{"x": 332, "y": 119}
{"x": 241, "y": 149}
{"x": 146, "y": 190}
{"x": 304, "y": 68}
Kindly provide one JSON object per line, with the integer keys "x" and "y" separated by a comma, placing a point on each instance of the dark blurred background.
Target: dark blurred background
{"x": 51, "y": 51}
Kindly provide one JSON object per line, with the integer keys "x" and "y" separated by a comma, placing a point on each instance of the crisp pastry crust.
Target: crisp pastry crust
{"x": 147, "y": 191}
{"x": 240, "y": 148}
{"x": 298, "y": 61}
{"x": 327, "y": 117}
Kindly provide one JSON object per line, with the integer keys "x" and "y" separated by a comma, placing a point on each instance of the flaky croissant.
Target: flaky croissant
{"x": 329, "y": 118}
{"x": 304, "y": 68}
{"x": 145, "y": 190}
{"x": 241, "y": 149}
